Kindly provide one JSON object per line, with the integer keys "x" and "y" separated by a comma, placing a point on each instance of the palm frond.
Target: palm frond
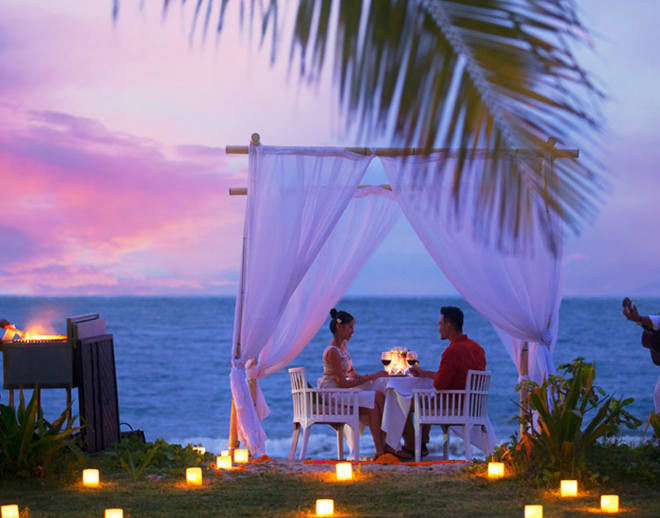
{"x": 496, "y": 75}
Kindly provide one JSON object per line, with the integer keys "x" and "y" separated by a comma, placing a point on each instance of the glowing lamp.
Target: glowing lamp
{"x": 9, "y": 511}
{"x": 241, "y": 456}
{"x": 568, "y": 488}
{"x": 225, "y": 453}
{"x": 344, "y": 471}
{"x": 533, "y": 511}
{"x": 609, "y": 503}
{"x": 194, "y": 476}
{"x": 90, "y": 478}
{"x": 495, "y": 470}
{"x": 114, "y": 513}
{"x": 325, "y": 507}
{"x": 223, "y": 462}
{"x": 199, "y": 449}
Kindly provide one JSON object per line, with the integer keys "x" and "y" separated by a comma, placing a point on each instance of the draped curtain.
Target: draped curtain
{"x": 296, "y": 197}
{"x": 515, "y": 285}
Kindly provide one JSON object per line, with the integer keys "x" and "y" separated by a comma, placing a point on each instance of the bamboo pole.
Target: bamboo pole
{"x": 409, "y": 151}
{"x": 233, "y": 428}
{"x": 524, "y": 371}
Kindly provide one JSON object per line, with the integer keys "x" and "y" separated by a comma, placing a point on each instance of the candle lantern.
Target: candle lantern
{"x": 194, "y": 476}
{"x": 90, "y": 478}
{"x": 223, "y": 462}
{"x": 241, "y": 456}
{"x": 225, "y": 453}
{"x": 325, "y": 507}
{"x": 569, "y": 488}
{"x": 344, "y": 471}
{"x": 114, "y": 513}
{"x": 199, "y": 449}
{"x": 495, "y": 470}
{"x": 609, "y": 503}
{"x": 533, "y": 511}
{"x": 9, "y": 511}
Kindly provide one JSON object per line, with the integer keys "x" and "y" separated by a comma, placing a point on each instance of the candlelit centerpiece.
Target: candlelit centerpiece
{"x": 397, "y": 361}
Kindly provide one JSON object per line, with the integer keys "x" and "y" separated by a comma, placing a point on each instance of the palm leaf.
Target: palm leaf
{"x": 463, "y": 74}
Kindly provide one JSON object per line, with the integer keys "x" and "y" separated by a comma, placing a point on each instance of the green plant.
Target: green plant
{"x": 572, "y": 415}
{"x": 138, "y": 458}
{"x": 654, "y": 423}
{"x": 28, "y": 443}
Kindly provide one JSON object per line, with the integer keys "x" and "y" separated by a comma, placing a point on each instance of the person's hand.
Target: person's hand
{"x": 415, "y": 371}
{"x": 382, "y": 374}
{"x": 5, "y": 324}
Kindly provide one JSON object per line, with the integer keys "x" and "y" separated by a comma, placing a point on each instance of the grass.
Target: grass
{"x": 271, "y": 493}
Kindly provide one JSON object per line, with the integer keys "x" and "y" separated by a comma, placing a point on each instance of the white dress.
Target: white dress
{"x": 365, "y": 397}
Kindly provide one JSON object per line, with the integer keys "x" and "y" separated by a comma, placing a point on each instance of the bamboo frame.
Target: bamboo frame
{"x": 552, "y": 152}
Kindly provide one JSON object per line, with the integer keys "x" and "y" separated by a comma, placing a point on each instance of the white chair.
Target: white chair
{"x": 333, "y": 406}
{"x": 466, "y": 408}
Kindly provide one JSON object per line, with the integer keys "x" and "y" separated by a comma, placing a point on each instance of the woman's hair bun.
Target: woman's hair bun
{"x": 333, "y": 312}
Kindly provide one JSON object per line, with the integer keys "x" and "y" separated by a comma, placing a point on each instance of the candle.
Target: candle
{"x": 609, "y": 503}
{"x": 569, "y": 488}
{"x": 344, "y": 471}
{"x": 194, "y": 476}
{"x": 223, "y": 462}
{"x": 241, "y": 456}
{"x": 114, "y": 513}
{"x": 199, "y": 449}
{"x": 533, "y": 511}
{"x": 9, "y": 511}
{"x": 495, "y": 470}
{"x": 325, "y": 507}
{"x": 90, "y": 478}
{"x": 225, "y": 453}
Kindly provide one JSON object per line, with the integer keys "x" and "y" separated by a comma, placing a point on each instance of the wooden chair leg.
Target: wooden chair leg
{"x": 484, "y": 433}
{"x": 445, "y": 442}
{"x": 418, "y": 439}
{"x": 356, "y": 442}
{"x": 294, "y": 440}
{"x": 305, "y": 441}
{"x": 340, "y": 441}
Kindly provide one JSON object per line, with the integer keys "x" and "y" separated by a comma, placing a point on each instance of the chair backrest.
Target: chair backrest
{"x": 476, "y": 386}
{"x": 298, "y": 388}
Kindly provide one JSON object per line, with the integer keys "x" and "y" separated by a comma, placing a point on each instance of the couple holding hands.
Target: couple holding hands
{"x": 462, "y": 355}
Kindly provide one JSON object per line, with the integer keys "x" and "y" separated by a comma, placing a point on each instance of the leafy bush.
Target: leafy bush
{"x": 28, "y": 444}
{"x": 138, "y": 458}
{"x": 572, "y": 415}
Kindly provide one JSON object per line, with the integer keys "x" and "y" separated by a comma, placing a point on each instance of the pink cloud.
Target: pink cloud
{"x": 88, "y": 210}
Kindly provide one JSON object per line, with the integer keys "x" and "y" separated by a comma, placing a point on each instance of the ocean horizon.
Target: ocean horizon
{"x": 172, "y": 357}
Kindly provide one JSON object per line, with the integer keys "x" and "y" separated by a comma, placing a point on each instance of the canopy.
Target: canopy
{"x": 309, "y": 229}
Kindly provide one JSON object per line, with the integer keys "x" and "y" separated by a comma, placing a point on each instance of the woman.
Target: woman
{"x": 338, "y": 372}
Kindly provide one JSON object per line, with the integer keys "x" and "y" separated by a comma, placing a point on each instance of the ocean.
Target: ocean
{"x": 173, "y": 358}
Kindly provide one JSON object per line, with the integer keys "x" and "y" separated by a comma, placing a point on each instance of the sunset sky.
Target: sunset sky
{"x": 115, "y": 178}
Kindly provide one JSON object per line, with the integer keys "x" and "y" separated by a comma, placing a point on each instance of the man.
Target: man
{"x": 462, "y": 355}
{"x": 649, "y": 323}
{"x": 9, "y": 331}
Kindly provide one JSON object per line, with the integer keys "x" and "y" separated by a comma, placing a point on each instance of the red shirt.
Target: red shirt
{"x": 462, "y": 355}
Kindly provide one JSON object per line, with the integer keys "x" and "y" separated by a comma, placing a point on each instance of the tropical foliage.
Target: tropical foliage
{"x": 573, "y": 414}
{"x": 495, "y": 75}
{"x": 29, "y": 444}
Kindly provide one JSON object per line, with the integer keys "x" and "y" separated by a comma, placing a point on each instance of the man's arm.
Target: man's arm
{"x": 647, "y": 322}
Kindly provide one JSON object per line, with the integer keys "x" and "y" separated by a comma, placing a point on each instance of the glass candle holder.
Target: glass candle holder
{"x": 90, "y": 477}
{"x": 325, "y": 507}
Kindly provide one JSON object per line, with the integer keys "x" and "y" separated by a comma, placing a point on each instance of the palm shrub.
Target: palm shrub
{"x": 28, "y": 443}
{"x": 572, "y": 415}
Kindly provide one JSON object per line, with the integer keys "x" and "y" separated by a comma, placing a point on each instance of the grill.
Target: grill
{"x": 85, "y": 359}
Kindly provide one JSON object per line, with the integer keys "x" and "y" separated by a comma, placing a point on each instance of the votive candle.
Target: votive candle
{"x": 609, "y": 503}
{"x": 344, "y": 471}
{"x": 225, "y": 453}
{"x": 9, "y": 511}
{"x": 569, "y": 488}
{"x": 90, "y": 477}
{"x": 325, "y": 507}
{"x": 533, "y": 511}
{"x": 495, "y": 470}
{"x": 114, "y": 513}
{"x": 223, "y": 462}
{"x": 194, "y": 476}
{"x": 241, "y": 456}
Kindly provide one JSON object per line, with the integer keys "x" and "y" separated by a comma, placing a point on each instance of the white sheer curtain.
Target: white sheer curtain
{"x": 519, "y": 293}
{"x": 369, "y": 217}
{"x": 295, "y": 199}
